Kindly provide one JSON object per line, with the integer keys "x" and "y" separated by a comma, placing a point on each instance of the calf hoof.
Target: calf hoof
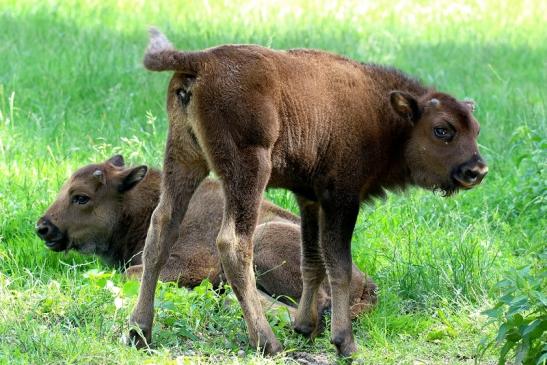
{"x": 266, "y": 342}
{"x": 306, "y": 329}
{"x": 345, "y": 345}
{"x": 140, "y": 339}
{"x": 312, "y": 329}
{"x": 272, "y": 347}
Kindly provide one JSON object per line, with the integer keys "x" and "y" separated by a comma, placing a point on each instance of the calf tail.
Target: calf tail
{"x": 162, "y": 56}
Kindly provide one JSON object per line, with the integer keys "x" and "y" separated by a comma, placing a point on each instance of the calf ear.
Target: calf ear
{"x": 405, "y": 105}
{"x": 470, "y": 104}
{"x": 116, "y": 160}
{"x": 132, "y": 177}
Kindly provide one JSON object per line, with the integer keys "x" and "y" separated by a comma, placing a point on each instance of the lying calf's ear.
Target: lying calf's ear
{"x": 116, "y": 160}
{"x": 131, "y": 177}
{"x": 405, "y": 105}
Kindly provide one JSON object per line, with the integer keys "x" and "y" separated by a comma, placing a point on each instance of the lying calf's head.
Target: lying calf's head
{"x": 442, "y": 151}
{"x": 89, "y": 205}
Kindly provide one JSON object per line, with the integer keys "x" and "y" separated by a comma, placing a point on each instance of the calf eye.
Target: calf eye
{"x": 184, "y": 96}
{"x": 80, "y": 199}
{"x": 443, "y": 133}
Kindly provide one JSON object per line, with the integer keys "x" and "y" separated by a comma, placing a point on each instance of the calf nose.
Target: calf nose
{"x": 51, "y": 234}
{"x": 471, "y": 174}
{"x": 44, "y": 228}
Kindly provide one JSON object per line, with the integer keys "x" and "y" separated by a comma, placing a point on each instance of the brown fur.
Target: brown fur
{"x": 334, "y": 131}
{"x": 119, "y": 237}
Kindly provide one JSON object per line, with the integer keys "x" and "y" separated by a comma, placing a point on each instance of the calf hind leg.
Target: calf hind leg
{"x": 178, "y": 185}
{"x": 243, "y": 185}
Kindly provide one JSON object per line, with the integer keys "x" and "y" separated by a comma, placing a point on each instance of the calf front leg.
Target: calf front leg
{"x": 244, "y": 183}
{"x": 179, "y": 182}
{"x": 337, "y": 221}
{"x": 312, "y": 269}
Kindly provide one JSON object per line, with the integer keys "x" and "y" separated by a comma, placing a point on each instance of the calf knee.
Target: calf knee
{"x": 154, "y": 256}
{"x": 160, "y": 217}
{"x": 226, "y": 239}
{"x": 313, "y": 275}
{"x": 155, "y": 253}
{"x": 236, "y": 256}
{"x": 340, "y": 276}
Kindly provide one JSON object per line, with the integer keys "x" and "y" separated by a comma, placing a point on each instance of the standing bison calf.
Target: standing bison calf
{"x": 333, "y": 131}
{"x": 105, "y": 209}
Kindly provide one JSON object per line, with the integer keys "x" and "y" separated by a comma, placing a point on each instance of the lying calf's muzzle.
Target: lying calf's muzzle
{"x": 471, "y": 173}
{"x": 50, "y": 234}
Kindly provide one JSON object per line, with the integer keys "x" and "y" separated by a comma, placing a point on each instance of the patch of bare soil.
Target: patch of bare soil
{"x": 306, "y": 358}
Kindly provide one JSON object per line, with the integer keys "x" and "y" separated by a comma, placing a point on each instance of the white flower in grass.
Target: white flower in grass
{"x": 118, "y": 303}
{"x": 112, "y": 288}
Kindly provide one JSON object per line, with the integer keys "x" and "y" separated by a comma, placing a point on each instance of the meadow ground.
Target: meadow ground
{"x": 73, "y": 91}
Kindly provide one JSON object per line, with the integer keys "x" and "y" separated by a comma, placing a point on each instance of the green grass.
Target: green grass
{"x": 73, "y": 91}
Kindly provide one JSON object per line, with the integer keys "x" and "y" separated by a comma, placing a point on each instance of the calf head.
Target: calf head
{"x": 441, "y": 152}
{"x": 88, "y": 207}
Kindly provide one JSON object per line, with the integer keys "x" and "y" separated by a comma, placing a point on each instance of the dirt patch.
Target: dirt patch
{"x": 306, "y": 358}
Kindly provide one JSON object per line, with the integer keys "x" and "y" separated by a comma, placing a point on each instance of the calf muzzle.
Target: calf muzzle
{"x": 471, "y": 173}
{"x": 51, "y": 234}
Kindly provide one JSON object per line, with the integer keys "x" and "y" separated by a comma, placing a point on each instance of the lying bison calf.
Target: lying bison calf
{"x": 334, "y": 131}
{"x": 105, "y": 209}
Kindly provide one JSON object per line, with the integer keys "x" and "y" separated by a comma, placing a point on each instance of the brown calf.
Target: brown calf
{"x": 334, "y": 131}
{"x": 98, "y": 211}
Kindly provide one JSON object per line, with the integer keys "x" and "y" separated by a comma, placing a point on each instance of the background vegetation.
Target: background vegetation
{"x": 73, "y": 91}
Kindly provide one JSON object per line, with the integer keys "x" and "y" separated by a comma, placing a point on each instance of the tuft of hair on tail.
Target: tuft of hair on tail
{"x": 160, "y": 55}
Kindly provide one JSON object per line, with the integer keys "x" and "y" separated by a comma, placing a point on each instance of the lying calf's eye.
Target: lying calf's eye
{"x": 184, "y": 96}
{"x": 80, "y": 199}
